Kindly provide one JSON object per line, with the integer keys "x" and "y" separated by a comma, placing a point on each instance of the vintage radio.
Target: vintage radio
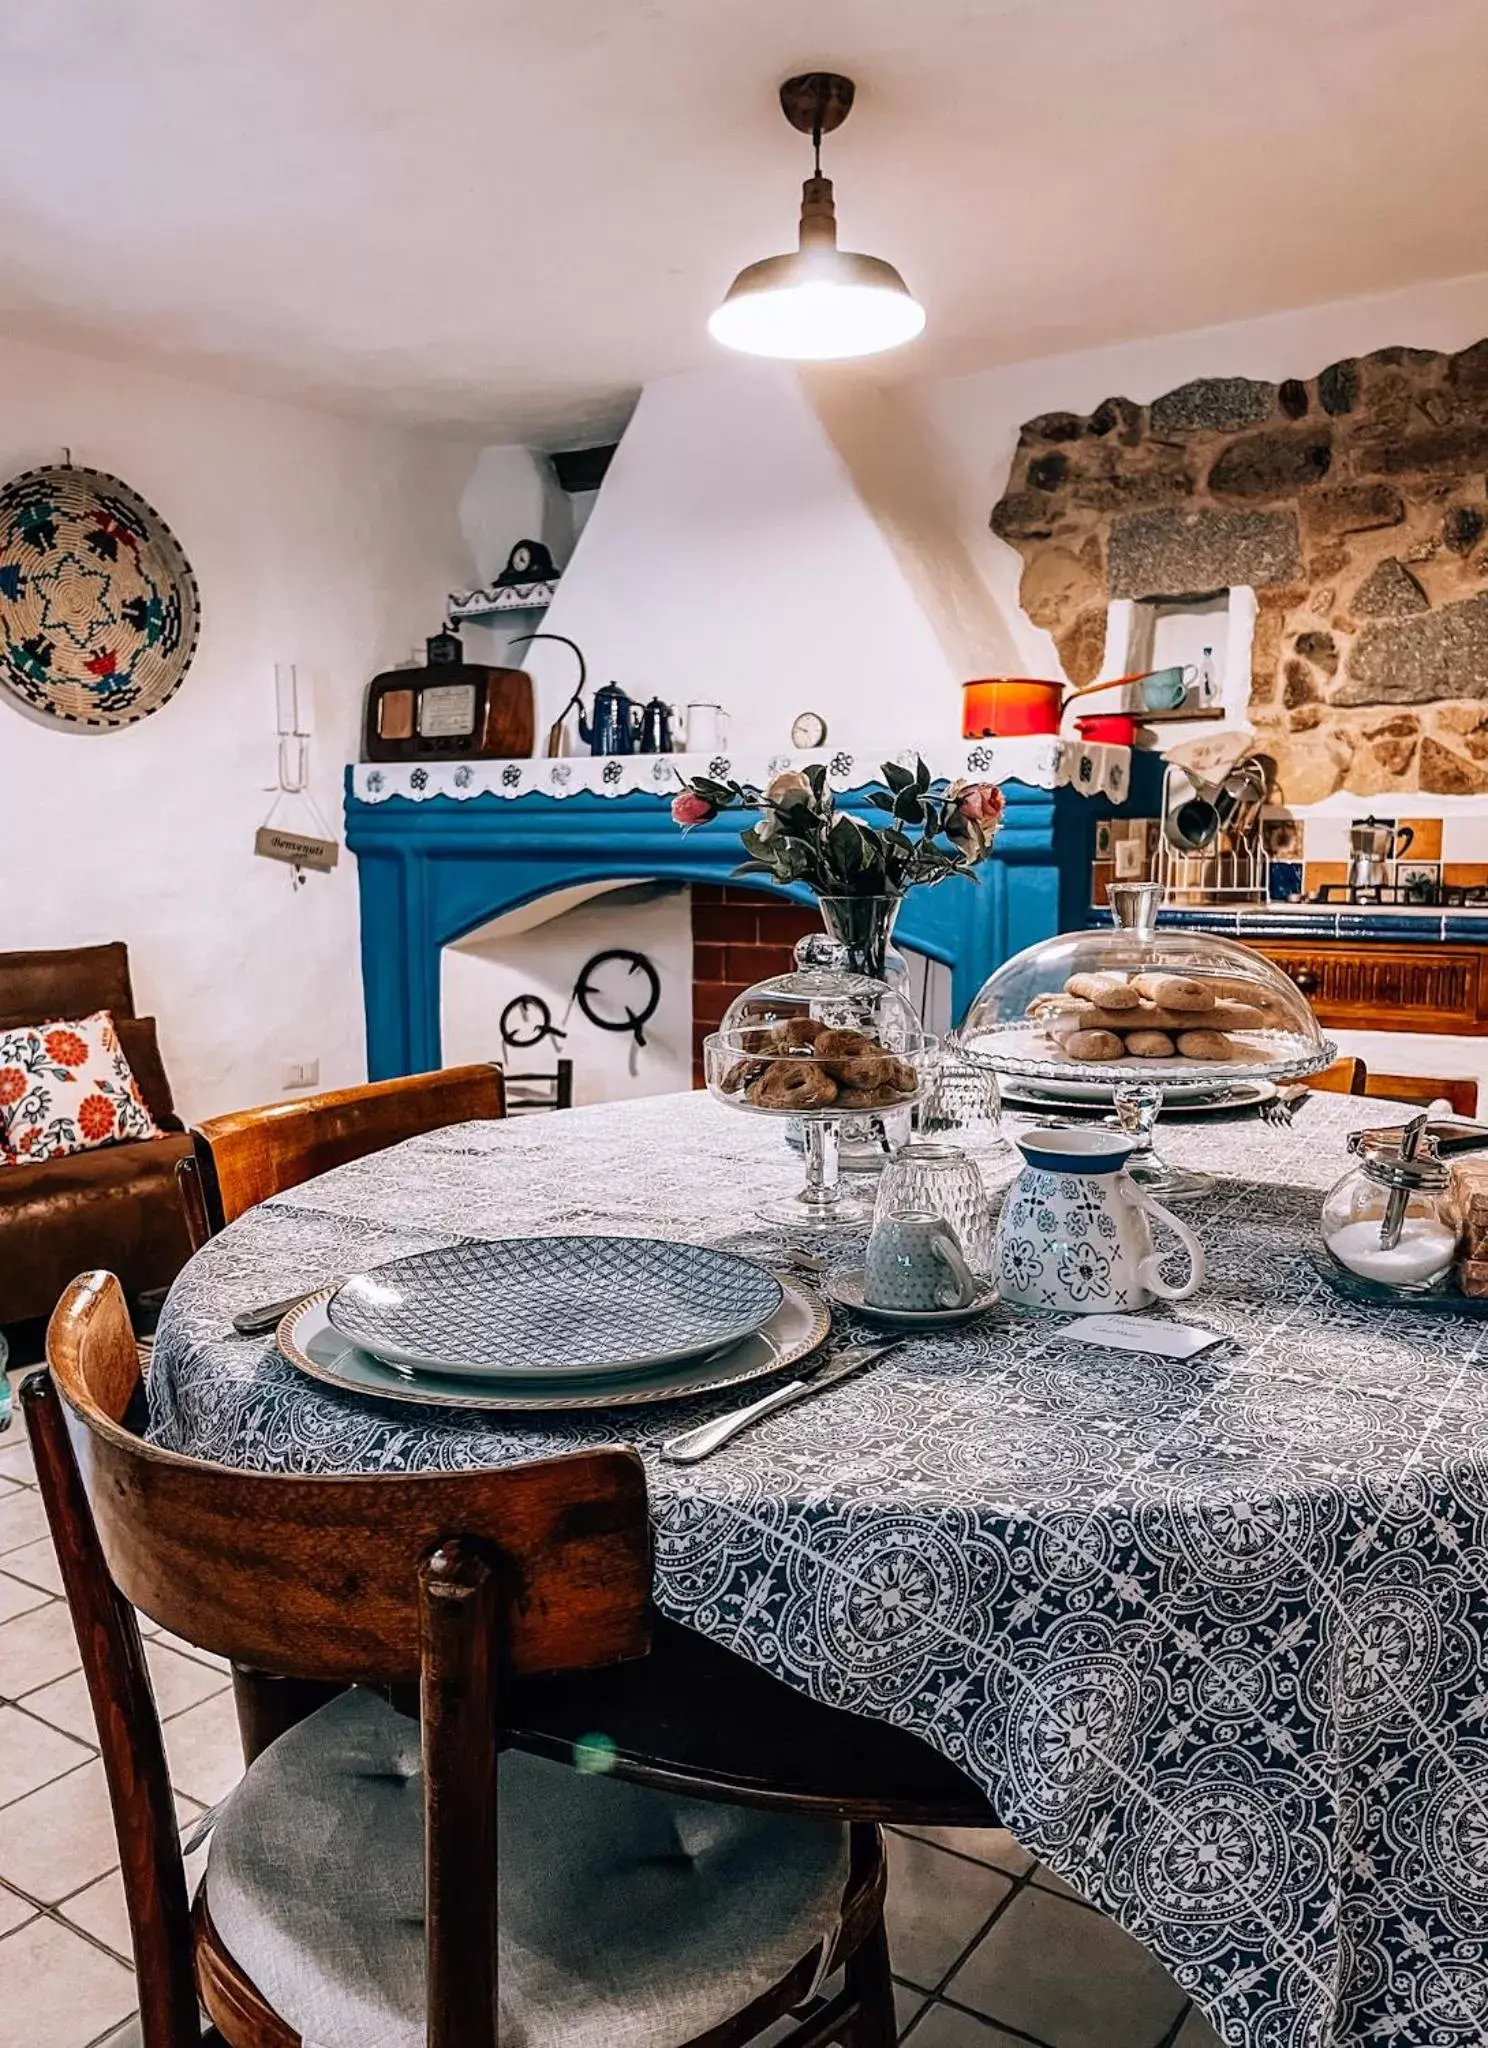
{"x": 453, "y": 710}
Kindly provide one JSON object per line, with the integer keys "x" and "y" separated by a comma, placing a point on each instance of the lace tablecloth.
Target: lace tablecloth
{"x": 1213, "y": 1635}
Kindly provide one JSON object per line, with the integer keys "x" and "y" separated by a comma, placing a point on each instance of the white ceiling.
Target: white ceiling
{"x": 510, "y": 216}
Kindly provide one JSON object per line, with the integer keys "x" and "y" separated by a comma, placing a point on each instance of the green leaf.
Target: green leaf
{"x": 752, "y": 867}
{"x": 921, "y": 776}
{"x": 896, "y": 777}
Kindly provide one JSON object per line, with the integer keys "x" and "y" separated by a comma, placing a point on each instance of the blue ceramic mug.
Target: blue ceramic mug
{"x": 915, "y": 1264}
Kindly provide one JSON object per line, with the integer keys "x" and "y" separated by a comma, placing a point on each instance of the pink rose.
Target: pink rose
{"x": 982, "y": 803}
{"x": 691, "y": 809}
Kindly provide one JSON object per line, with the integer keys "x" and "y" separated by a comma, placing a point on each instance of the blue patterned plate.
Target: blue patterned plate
{"x": 798, "y": 1328}
{"x": 542, "y": 1307}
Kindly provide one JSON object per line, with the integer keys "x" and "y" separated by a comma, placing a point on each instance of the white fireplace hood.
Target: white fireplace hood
{"x": 772, "y": 540}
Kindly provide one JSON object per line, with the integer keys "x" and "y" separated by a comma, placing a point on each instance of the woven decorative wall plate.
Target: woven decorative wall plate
{"x": 98, "y": 605}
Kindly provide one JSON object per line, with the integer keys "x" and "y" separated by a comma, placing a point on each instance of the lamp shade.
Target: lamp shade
{"x": 817, "y": 304}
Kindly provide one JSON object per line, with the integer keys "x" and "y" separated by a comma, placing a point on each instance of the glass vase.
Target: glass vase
{"x": 862, "y": 927}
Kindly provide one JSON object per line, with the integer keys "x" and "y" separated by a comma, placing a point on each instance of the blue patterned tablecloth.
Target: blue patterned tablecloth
{"x": 1213, "y": 1635}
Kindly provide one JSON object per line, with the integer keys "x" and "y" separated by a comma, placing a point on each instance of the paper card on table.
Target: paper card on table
{"x": 1142, "y": 1333}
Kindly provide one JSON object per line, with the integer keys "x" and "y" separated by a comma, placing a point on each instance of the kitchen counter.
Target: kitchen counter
{"x": 1403, "y": 924}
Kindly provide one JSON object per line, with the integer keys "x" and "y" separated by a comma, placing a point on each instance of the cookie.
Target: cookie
{"x": 793, "y": 1084}
{"x": 1174, "y": 991}
{"x": 1092, "y": 1045}
{"x": 1106, "y": 991}
{"x": 1154, "y": 1045}
{"x": 1206, "y": 1045}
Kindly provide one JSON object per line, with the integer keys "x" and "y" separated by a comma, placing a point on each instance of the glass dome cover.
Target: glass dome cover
{"x": 1144, "y": 1006}
{"x": 819, "y": 1040}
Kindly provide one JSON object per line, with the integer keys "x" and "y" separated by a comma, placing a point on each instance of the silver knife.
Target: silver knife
{"x": 257, "y": 1322}
{"x": 701, "y": 1443}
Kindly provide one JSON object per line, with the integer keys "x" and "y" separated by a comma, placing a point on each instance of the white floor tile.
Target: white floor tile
{"x": 204, "y": 1750}
{"x": 60, "y": 1838}
{"x": 178, "y": 1683}
{"x": 1052, "y": 1968}
{"x": 941, "y": 2026}
{"x": 31, "y": 1755}
{"x": 16, "y": 1597}
{"x": 60, "y": 1991}
{"x": 100, "y": 1910}
{"x": 987, "y": 1845}
{"x": 936, "y": 1906}
{"x": 22, "y": 1519}
{"x": 14, "y": 1910}
{"x": 37, "y": 1564}
{"x": 35, "y": 1648}
{"x": 16, "y": 1461}
{"x": 179, "y": 1643}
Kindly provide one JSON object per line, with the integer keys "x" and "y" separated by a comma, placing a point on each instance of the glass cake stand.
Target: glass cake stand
{"x": 825, "y": 1047}
{"x": 1138, "y": 1016}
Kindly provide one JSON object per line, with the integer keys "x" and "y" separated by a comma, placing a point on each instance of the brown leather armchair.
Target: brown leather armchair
{"x": 115, "y": 1207}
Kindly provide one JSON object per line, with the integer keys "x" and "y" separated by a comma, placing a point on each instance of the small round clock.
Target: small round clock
{"x": 808, "y": 730}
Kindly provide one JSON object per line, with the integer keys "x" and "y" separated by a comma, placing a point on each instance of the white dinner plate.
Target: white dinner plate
{"x": 1240, "y": 1095}
{"x": 309, "y": 1340}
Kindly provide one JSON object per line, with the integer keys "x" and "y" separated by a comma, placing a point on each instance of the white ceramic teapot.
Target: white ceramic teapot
{"x": 1076, "y": 1230}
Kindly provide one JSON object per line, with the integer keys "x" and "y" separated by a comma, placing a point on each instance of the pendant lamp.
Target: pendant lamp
{"x": 819, "y": 303}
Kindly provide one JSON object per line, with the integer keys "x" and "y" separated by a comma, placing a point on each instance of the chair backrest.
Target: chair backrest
{"x": 456, "y": 1578}
{"x": 244, "y": 1158}
{"x": 1352, "y": 1077}
{"x": 67, "y": 981}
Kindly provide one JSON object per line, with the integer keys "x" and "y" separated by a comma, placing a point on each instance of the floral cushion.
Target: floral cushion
{"x": 66, "y": 1087}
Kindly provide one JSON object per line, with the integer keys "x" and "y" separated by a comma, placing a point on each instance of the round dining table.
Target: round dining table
{"x": 1211, "y": 1634}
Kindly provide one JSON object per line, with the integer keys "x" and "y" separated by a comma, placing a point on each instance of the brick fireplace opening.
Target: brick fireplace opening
{"x": 738, "y": 937}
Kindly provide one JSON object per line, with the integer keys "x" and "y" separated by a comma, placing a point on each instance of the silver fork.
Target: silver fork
{"x": 1281, "y": 1109}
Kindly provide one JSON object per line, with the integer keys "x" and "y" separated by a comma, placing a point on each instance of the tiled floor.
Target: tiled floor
{"x": 989, "y": 1949}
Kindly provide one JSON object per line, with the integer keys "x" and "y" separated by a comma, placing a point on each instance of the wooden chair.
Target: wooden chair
{"x": 242, "y": 1159}
{"x": 1352, "y": 1077}
{"x": 459, "y": 1582}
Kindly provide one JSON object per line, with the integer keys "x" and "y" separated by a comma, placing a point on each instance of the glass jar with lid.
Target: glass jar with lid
{"x": 1388, "y": 1219}
{"x": 825, "y": 1046}
{"x": 1138, "y": 1015}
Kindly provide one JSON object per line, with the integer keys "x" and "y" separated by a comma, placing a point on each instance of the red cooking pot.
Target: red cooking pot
{"x": 1108, "y": 728}
{"x": 1010, "y": 707}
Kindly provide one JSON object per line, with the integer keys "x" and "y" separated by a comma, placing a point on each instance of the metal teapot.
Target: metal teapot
{"x": 615, "y": 728}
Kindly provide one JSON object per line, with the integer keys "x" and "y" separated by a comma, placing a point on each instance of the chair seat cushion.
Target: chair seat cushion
{"x": 628, "y": 1918}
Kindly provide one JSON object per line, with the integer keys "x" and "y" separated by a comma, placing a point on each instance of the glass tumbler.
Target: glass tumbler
{"x": 928, "y": 1178}
{"x": 961, "y": 1105}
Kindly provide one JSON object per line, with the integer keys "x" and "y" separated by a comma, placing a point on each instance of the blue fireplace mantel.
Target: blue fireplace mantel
{"x": 435, "y": 869}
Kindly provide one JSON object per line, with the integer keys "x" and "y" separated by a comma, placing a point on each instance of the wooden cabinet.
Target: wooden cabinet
{"x": 1358, "y": 986}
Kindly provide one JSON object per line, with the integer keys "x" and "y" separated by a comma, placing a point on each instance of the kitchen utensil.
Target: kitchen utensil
{"x": 1108, "y": 728}
{"x": 536, "y": 1307}
{"x": 257, "y": 1322}
{"x": 705, "y": 729}
{"x": 1008, "y": 707}
{"x": 1233, "y": 805}
{"x": 1230, "y": 1101}
{"x": 1373, "y": 844}
{"x": 1076, "y": 1230}
{"x": 848, "y": 1290}
{"x": 1283, "y": 1106}
{"x": 656, "y": 728}
{"x": 614, "y": 729}
{"x": 312, "y": 1343}
{"x": 702, "y": 1443}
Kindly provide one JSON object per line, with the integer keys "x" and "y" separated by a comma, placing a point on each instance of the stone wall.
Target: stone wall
{"x": 1353, "y": 502}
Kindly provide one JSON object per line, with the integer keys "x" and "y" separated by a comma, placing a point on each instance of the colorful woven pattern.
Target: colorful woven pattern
{"x": 98, "y": 605}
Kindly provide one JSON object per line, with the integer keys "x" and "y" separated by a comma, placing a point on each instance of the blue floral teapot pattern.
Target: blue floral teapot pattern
{"x": 1076, "y": 1230}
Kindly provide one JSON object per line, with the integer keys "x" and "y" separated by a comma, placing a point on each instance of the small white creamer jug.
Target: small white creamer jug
{"x": 1076, "y": 1231}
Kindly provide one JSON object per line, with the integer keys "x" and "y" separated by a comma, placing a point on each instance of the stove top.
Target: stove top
{"x": 1423, "y": 895}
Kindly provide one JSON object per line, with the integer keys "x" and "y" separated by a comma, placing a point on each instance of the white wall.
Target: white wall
{"x": 315, "y": 540}
{"x": 513, "y": 956}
